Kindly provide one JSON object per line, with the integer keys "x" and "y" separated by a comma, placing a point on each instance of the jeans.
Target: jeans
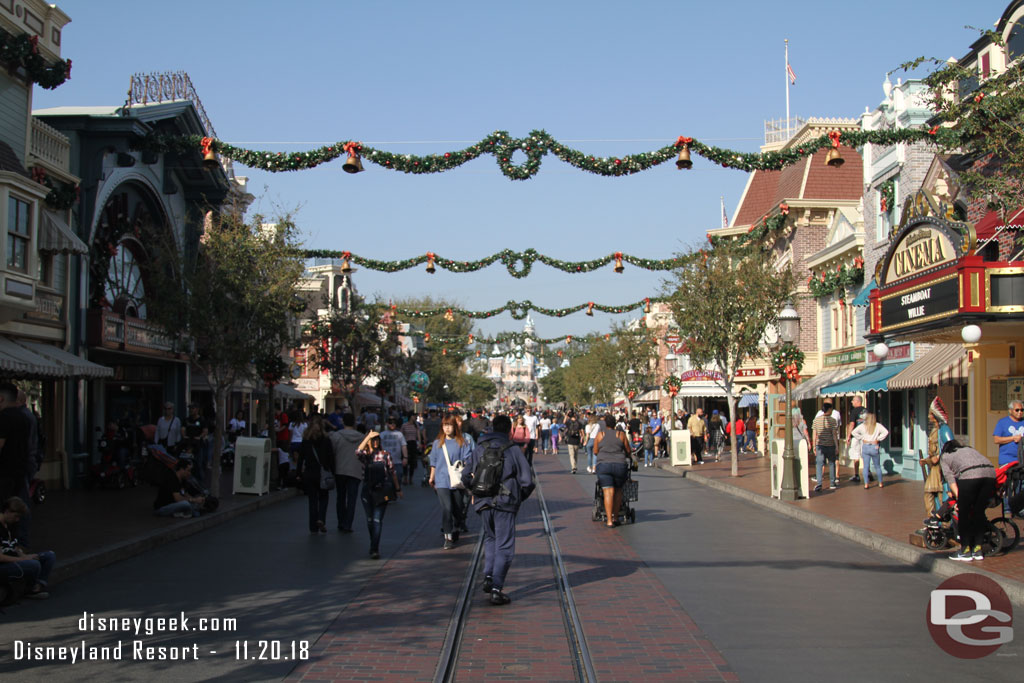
{"x": 869, "y": 460}
{"x": 591, "y": 458}
{"x": 751, "y": 440}
{"x": 318, "y": 499}
{"x": 648, "y": 456}
{"x": 33, "y": 571}
{"x": 374, "y": 520}
{"x": 821, "y": 454}
{"x": 172, "y": 509}
{"x": 453, "y": 510}
{"x": 348, "y": 494}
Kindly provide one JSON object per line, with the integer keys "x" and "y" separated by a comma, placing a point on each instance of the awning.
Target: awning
{"x": 368, "y": 397}
{"x": 650, "y": 396}
{"x": 31, "y": 360}
{"x": 747, "y": 401}
{"x": 864, "y": 298}
{"x": 941, "y": 360}
{"x": 809, "y": 388}
{"x": 873, "y": 379}
{"x": 289, "y": 392}
{"x": 56, "y": 237}
{"x": 701, "y": 390}
{"x": 72, "y": 365}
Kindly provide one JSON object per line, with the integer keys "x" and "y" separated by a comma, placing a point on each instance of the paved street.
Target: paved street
{"x": 704, "y": 587}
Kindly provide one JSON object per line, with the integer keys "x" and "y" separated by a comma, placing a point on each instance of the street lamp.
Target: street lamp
{"x": 789, "y": 333}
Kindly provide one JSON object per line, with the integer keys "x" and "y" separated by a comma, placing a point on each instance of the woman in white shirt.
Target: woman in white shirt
{"x": 591, "y": 431}
{"x": 871, "y": 434}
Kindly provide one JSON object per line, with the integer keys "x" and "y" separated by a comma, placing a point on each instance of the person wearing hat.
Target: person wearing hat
{"x": 379, "y": 469}
{"x": 939, "y": 435}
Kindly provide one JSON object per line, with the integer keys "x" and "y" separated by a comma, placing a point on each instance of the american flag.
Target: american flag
{"x": 725, "y": 217}
{"x": 792, "y": 74}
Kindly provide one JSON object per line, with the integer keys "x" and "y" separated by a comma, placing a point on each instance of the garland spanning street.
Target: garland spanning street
{"x": 537, "y": 144}
{"x": 518, "y": 263}
{"x": 520, "y": 309}
{"x": 516, "y": 338}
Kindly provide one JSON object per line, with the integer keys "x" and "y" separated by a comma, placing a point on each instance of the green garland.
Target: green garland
{"x": 517, "y": 338}
{"x": 22, "y": 52}
{"x": 61, "y": 197}
{"x": 838, "y": 280}
{"x": 786, "y": 355}
{"x": 672, "y": 384}
{"x": 518, "y": 263}
{"x": 887, "y": 190}
{"x": 520, "y": 309}
{"x": 538, "y": 143}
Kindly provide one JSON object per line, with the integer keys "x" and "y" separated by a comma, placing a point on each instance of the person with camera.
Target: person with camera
{"x": 173, "y": 499}
{"x": 380, "y": 485}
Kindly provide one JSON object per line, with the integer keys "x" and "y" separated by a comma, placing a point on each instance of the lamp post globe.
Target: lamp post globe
{"x": 789, "y": 332}
{"x": 971, "y": 334}
{"x": 880, "y": 350}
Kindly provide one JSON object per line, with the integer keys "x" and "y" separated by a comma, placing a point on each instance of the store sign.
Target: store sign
{"x": 907, "y": 307}
{"x": 900, "y": 352}
{"x": 844, "y": 357}
{"x": 672, "y": 339}
{"x": 307, "y": 384}
{"x": 920, "y": 249}
{"x": 750, "y": 372}
{"x": 700, "y": 375}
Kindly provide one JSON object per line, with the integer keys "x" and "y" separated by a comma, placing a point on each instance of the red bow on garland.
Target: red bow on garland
{"x": 792, "y": 372}
{"x": 353, "y": 148}
{"x": 834, "y": 137}
{"x": 682, "y": 141}
{"x": 206, "y": 144}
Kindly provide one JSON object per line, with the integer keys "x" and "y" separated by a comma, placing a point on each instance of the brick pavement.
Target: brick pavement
{"x": 894, "y": 511}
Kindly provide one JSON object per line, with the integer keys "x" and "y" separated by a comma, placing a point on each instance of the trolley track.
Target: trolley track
{"x": 582, "y": 664}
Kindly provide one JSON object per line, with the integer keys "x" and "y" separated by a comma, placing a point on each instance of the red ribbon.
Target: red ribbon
{"x": 934, "y": 130}
{"x": 38, "y": 174}
{"x": 784, "y": 208}
{"x": 353, "y": 148}
{"x": 346, "y": 255}
{"x": 683, "y": 142}
{"x": 834, "y": 137}
{"x": 792, "y": 372}
{"x": 207, "y": 145}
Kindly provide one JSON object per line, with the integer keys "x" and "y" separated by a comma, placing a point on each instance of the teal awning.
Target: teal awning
{"x": 862, "y": 299}
{"x": 873, "y": 379}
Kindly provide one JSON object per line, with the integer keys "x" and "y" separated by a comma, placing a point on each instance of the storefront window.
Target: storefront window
{"x": 960, "y": 409}
{"x": 18, "y": 233}
{"x": 895, "y": 425}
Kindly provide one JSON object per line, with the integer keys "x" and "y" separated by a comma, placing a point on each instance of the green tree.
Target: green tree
{"x": 445, "y": 352}
{"x": 553, "y": 385}
{"x": 355, "y": 344}
{"x": 982, "y": 119}
{"x": 473, "y": 390}
{"x": 233, "y": 295}
{"x": 723, "y": 301}
{"x": 598, "y": 374}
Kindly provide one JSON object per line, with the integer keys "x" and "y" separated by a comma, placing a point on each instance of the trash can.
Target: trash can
{"x": 252, "y": 465}
{"x": 679, "y": 442}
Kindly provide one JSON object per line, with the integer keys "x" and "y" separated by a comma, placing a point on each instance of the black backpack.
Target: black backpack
{"x": 488, "y": 471}
{"x": 376, "y": 475}
{"x": 573, "y": 428}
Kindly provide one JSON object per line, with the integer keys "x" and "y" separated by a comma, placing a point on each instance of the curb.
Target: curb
{"x": 921, "y": 559}
{"x": 87, "y": 562}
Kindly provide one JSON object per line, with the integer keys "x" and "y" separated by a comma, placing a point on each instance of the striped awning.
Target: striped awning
{"x": 747, "y": 401}
{"x": 943, "y": 361}
{"x": 28, "y": 359}
{"x": 874, "y": 378}
{"x": 809, "y": 388}
{"x": 56, "y": 237}
{"x": 71, "y": 365}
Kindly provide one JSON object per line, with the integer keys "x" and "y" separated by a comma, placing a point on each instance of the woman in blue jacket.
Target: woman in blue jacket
{"x": 450, "y": 446}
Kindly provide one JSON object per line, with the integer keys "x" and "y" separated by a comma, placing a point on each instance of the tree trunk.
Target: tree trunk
{"x": 220, "y": 399}
{"x": 731, "y": 400}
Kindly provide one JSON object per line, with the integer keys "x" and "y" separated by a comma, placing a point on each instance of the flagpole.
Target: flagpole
{"x": 785, "y": 73}
{"x": 725, "y": 223}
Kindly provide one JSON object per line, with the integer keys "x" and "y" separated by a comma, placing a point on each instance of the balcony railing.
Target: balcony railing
{"x": 50, "y": 145}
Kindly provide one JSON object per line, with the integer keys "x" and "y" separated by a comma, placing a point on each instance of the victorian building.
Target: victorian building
{"x": 515, "y": 371}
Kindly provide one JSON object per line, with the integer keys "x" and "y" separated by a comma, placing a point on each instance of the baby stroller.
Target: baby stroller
{"x": 630, "y": 494}
{"x": 1001, "y": 536}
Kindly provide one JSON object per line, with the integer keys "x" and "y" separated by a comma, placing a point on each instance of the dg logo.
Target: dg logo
{"x": 969, "y": 616}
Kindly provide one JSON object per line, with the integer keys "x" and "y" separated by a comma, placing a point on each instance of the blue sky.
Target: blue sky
{"x": 608, "y": 78}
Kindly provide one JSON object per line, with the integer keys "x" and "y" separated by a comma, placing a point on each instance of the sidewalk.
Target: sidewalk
{"x": 881, "y": 519}
{"x": 89, "y": 529}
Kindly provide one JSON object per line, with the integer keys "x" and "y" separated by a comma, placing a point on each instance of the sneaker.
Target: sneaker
{"x": 962, "y": 556}
{"x": 977, "y": 554}
{"x": 835, "y": 484}
{"x": 817, "y": 488}
{"x": 183, "y": 515}
{"x": 488, "y": 584}
{"x": 499, "y": 598}
{"x": 449, "y": 544}
{"x": 574, "y": 470}
{"x": 37, "y": 595}
{"x": 374, "y": 555}
{"x": 855, "y": 479}
{"x": 814, "y": 479}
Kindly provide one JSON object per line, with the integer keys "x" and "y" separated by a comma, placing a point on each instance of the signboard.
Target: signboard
{"x": 672, "y": 339}
{"x": 901, "y": 352}
{"x": 307, "y": 384}
{"x": 921, "y": 249}
{"x": 914, "y": 306}
{"x": 700, "y": 375}
{"x": 844, "y": 357}
{"x": 750, "y": 372}
{"x": 1014, "y": 390}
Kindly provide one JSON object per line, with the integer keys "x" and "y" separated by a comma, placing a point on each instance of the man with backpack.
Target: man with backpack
{"x": 499, "y": 477}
